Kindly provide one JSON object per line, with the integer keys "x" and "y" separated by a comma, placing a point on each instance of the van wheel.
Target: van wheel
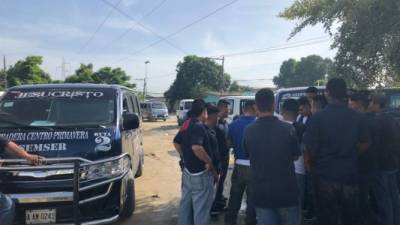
{"x": 129, "y": 205}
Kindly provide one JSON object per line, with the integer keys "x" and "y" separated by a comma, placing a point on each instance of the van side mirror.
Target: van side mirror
{"x": 181, "y": 108}
{"x": 130, "y": 121}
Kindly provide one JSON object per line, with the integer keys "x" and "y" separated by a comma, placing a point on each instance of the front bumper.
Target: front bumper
{"x": 79, "y": 202}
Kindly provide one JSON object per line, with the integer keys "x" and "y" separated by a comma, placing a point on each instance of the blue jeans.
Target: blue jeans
{"x": 388, "y": 198}
{"x": 7, "y": 209}
{"x": 197, "y": 198}
{"x": 278, "y": 216}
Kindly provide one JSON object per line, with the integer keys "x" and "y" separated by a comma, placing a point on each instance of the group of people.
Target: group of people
{"x": 334, "y": 157}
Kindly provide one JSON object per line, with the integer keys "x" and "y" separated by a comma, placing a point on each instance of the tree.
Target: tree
{"x": 305, "y": 72}
{"x": 84, "y": 74}
{"x": 235, "y": 87}
{"x": 195, "y": 76}
{"x": 368, "y": 37}
{"x": 105, "y": 75}
{"x": 27, "y": 71}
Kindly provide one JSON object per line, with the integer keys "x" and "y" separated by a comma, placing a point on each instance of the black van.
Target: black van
{"x": 91, "y": 138}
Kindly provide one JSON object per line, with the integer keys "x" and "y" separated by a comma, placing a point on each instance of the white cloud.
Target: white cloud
{"x": 58, "y": 30}
{"x": 124, "y": 24}
{"x": 16, "y": 45}
{"x": 129, "y": 3}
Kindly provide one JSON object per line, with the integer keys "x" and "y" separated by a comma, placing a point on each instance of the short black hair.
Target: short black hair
{"x": 198, "y": 107}
{"x": 379, "y": 99}
{"x": 291, "y": 105}
{"x": 212, "y": 109}
{"x": 320, "y": 100}
{"x": 265, "y": 100}
{"x": 249, "y": 105}
{"x": 337, "y": 88}
{"x": 312, "y": 90}
{"x": 360, "y": 97}
{"x": 223, "y": 102}
{"x": 304, "y": 101}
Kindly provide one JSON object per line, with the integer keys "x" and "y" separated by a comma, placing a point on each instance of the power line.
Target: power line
{"x": 127, "y": 31}
{"x": 161, "y": 76}
{"x": 180, "y": 30}
{"x": 276, "y": 48}
{"x": 143, "y": 26}
{"x": 256, "y": 79}
{"x": 98, "y": 28}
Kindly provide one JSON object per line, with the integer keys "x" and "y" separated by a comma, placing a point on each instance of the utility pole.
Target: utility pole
{"x": 5, "y": 73}
{"x": 145, "y": 79}
{"x": 63, "y": 68}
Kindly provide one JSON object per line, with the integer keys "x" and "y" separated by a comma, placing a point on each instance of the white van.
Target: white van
{"x": 236, "y": 105}
{"x": 184, "y": 106}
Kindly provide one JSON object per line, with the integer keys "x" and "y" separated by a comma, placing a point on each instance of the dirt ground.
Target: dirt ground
{"x": 158, "y": 190}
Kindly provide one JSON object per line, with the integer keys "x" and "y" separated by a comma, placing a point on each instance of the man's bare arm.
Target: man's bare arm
{"x": 201, "y": 153}
{"x": 20, "y": 152}
{"x": 178, "y": 148}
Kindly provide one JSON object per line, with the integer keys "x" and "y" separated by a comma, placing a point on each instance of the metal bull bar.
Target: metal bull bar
{"x": 76, "y": 165}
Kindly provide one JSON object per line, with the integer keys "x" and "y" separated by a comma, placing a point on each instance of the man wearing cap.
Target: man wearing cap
{"x": 222, "y": 137}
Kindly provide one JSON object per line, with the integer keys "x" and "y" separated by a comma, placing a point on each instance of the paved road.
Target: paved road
{"x": 158, "y": 190}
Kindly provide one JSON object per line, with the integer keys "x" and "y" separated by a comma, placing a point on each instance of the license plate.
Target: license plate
{"x": 40, "y": 216}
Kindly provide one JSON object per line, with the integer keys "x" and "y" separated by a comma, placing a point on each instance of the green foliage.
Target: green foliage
{"x": 195, "y": 76}
{"x": 235, "y": 87}
{"x": 27, "y": 71}
{"x": 305, "y": 72}
{"x": 105, "y": 75}
{"x": 367, "y": 38}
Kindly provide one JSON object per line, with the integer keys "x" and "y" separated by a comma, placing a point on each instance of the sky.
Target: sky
{"x": 126, "y": 33}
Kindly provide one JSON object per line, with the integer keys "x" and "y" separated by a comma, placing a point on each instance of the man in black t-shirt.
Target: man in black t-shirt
{"x": 333, "y": 138}
{"x": 222, "y": 137}
{"x": 272, "y": 146}
{"x": 367, "y": 161}
{"x": 6, "y": 204}
{"x": 199, "y": 174}
{"x": 387, "y": 143}
{"x": 211, "y": 123}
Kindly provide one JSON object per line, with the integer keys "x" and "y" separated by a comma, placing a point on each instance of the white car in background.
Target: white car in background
{"x": 184, "y": 106}
{"x": 236, "y": 105}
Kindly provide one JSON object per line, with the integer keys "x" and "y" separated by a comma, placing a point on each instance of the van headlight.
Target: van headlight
{"x": 107, "y": 169}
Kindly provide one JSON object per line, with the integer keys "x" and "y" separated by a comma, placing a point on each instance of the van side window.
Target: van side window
{"x": 134, "y": 103}
{"x": 127, "y": 104}
{"x": 138, "y": 104}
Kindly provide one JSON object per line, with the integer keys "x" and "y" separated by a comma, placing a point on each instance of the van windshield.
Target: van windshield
{"x": 158, "y": 105}
{"x": 188, "y": 105}
{"x": 61, "y": 108}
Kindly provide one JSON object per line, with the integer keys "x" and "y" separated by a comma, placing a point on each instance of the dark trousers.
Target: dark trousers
{"x": 336, "y": 203}
{"x": 220, "y": 187}
{"x": 388, "y": 198}
{"x": 368, "y": 188}
{"x": 240, "y": 184}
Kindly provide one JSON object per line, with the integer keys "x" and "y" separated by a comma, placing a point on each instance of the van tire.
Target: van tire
{"x": 129, "y": 204}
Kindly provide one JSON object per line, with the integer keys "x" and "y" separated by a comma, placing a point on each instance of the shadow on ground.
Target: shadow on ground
{"x": 153, "y": 211}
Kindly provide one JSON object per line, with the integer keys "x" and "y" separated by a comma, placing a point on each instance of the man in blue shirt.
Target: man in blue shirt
{"x": 272, "y": 146}
{"x": 241, "y": 171}
{"x": 333, "y": 139}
